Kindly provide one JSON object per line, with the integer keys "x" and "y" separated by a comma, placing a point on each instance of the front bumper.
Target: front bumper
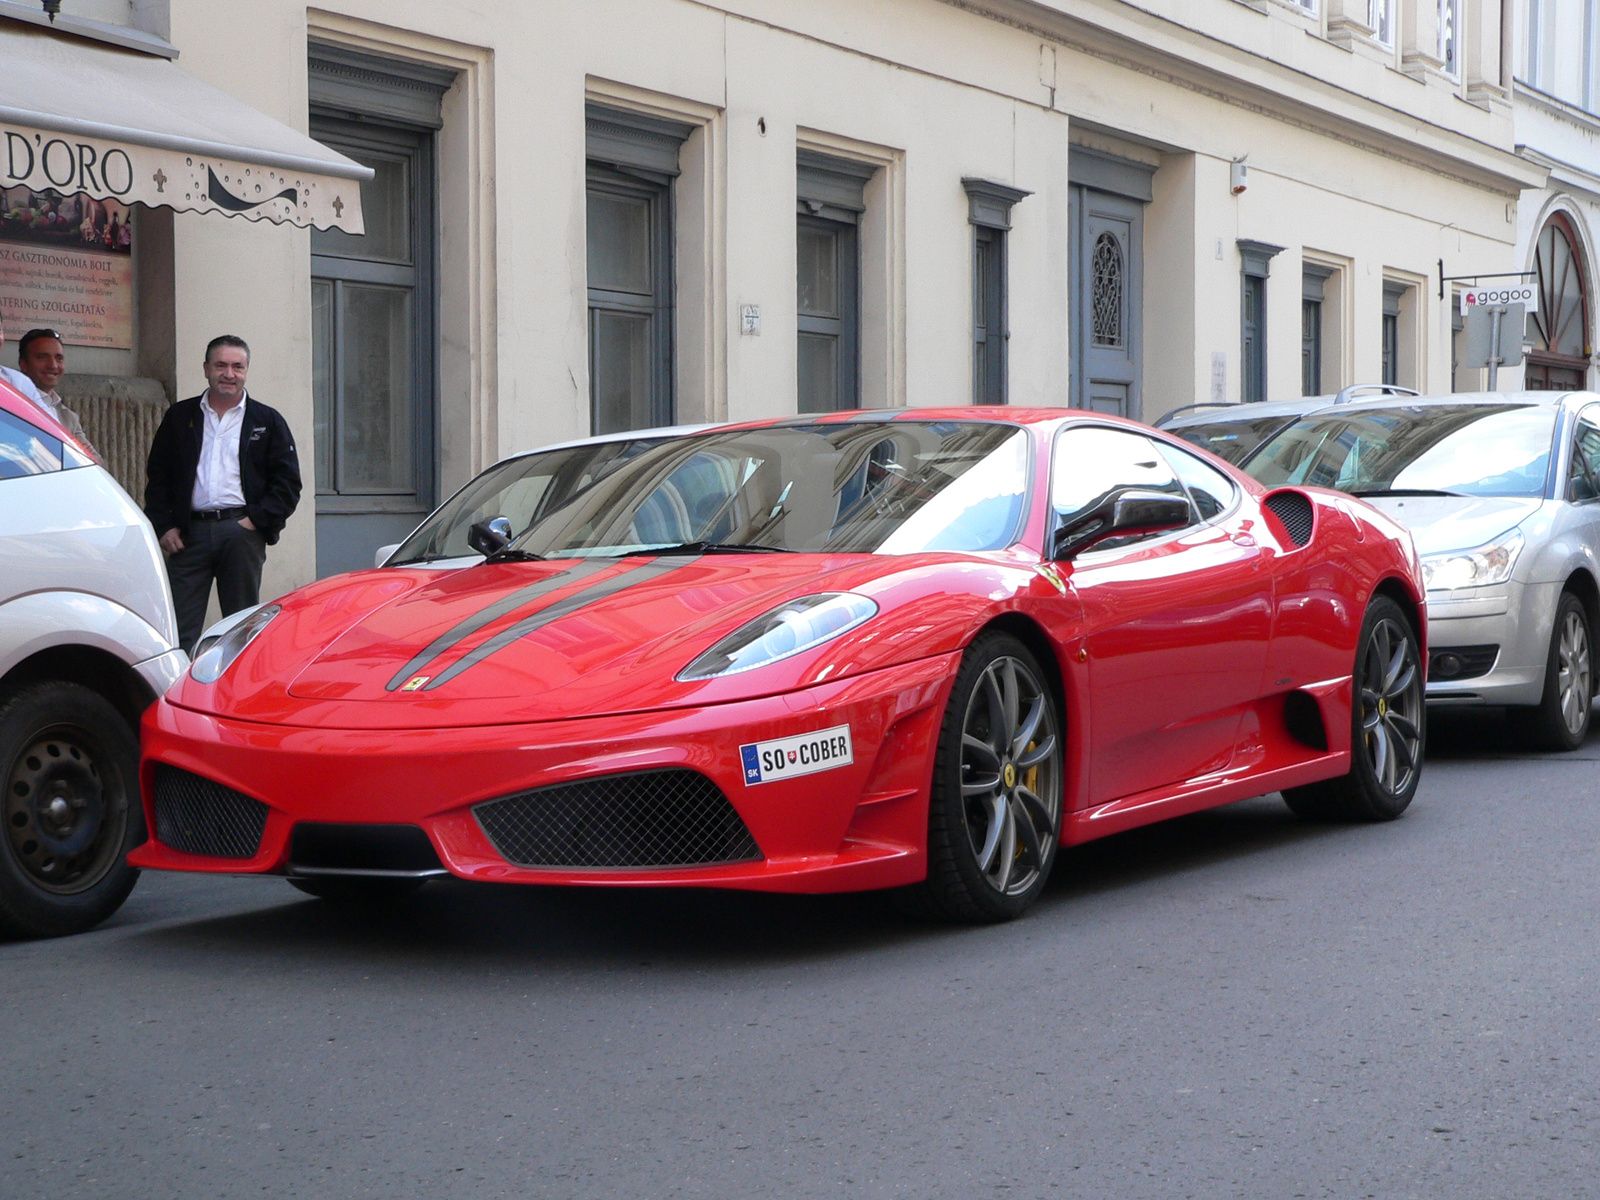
{"x": 1516, "y": 617}
{"x": 858, "y": 826}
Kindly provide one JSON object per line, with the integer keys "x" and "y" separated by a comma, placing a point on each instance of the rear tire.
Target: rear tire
{"x": 357, "y": 891}
{"x": 69, "y": 770}
{"x": 1560, "y": 721}
{"x": 994, "y": 818}
{"x": 1388, "y": 734}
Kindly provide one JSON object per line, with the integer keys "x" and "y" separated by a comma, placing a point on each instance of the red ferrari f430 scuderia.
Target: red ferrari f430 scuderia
{"x": 917, "y": 649}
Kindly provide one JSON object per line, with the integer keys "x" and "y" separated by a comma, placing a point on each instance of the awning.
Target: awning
{"x": 78, "y": 116}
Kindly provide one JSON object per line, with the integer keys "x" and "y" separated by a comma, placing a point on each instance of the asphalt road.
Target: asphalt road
{"x": 1233, "y": 1004}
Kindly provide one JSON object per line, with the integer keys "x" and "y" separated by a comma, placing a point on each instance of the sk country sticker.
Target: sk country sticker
{"x": 790, "y": 757}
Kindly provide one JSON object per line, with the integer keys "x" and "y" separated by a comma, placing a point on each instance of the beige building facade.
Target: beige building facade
{"x": 623, "y": 213}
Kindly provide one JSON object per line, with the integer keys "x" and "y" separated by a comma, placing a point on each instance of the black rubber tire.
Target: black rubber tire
{"x": 1543, "y": 726}
{"x": 956, "y": 889}
{"x": 1360, "y": 795}
{"x": 74, "y": 713}
{"x": 356, "y": 890}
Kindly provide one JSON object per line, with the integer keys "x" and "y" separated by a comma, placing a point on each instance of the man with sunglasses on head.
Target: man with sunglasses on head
{"x": 43, "y": 360}
{"x": 223, "y": 480}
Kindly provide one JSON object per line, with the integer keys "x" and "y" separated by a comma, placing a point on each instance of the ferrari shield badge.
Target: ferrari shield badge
{"x": 412, "y": 685}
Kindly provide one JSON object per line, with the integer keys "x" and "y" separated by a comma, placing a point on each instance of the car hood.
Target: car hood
{"x": 523, "y": 642}
{"x": 1442, "y": 523}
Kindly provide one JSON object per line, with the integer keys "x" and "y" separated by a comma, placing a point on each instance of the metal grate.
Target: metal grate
{"x": 672, "y": 818}
{"x": 197, "y": 816}
{"x": 1461, "y": 662}
{"x": 1294, "y": 510}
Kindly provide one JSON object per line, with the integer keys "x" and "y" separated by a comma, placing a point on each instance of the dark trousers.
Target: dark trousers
{"x": 222, "y": 550}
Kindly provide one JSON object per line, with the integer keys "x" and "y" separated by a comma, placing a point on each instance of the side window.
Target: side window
{"x": 25, "y": 450}
{"x": 1586, "y": 456}
{"x": 1211, "y": 491}
{"x": 1091, "y": 462}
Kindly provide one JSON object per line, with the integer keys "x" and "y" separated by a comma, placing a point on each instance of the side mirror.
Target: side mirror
{"x": 382, "y": 556}
{"x": 1580, "y": 489}
{"x": 1127, "y": 513}
{"x": 490, "y": 536}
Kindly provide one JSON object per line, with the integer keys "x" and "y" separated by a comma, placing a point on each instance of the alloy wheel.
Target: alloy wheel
{"x": 1391, "y": 706}
{"x": 1011, "y": 776}
{"x": 1573, "y": 679}
{"x": 63, "y": 827}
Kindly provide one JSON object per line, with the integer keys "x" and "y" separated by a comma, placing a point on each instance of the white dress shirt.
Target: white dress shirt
{"x": 216, "y": 477}
{"x": 24, "y": 385}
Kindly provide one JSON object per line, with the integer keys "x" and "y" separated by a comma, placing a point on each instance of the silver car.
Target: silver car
{"x": 1233, "y": 430}
{"x": 1502, "y": 494}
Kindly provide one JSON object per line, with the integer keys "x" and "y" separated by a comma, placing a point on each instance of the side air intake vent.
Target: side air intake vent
{"x": 1294, "y": 510}
{"x": 673, "y": 818}
{"x": 197, "y": 816}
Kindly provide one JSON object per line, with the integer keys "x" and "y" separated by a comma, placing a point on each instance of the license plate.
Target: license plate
{"x": 791, "y": 757}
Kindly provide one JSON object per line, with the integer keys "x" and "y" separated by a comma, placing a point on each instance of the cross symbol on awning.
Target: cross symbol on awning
{"x": 160, "y": 180}
{"x": 338, "y": 207}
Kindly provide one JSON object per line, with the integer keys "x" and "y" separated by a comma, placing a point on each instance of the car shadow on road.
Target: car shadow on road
{"x": 1465, "y": 734}
{"x": 455, "y": 922}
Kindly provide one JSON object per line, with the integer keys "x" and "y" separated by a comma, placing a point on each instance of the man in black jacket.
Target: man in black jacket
{"x": 223, "y": 479}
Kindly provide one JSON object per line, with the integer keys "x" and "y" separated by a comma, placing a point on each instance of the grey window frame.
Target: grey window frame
{"x": 393, "y": 107}
{"x": 1255, "y": 259}
{"x": 1313, "y": 281}
{"x": 634, "y": 155}
{"x": 989, "y": 206}
{"x": 830, "y": 195}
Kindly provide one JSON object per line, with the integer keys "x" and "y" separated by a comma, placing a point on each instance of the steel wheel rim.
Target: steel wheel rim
{"x": 64, "y": 824}
{"x": 1573, "y": 683}
{"x": 1391, "y": 706}
{"x": 1010, "y": 776}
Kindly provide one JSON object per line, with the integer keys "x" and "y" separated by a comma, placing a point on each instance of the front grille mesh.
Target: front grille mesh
{"x": 1294, "y": 510}
{"x": 197, "y": 816}
{"x": 671, "y": 818}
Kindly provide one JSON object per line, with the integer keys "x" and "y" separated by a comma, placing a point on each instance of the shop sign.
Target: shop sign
{"x": 66, "y": 263}
{"x": 1525, "y": 294}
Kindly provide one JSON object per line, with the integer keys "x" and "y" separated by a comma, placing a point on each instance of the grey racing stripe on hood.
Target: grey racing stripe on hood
{"x": 465, "y": 629}
{"x": 654, "y": 569}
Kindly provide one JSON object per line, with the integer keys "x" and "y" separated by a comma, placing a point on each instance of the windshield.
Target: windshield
{"x": 1456, "y": 449}
{"x": 887, "y": 487}
{"x": 522, "y": 489}
{"x": 1234, "y": 439}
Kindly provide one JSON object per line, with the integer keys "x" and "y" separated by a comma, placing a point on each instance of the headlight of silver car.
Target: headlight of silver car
{"x": 216, "y": 658}
{"x": 1478, "y": 567}
{"x": 785, "y": 631}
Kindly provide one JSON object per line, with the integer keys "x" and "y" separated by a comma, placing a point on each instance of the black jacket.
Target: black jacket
{"x": 269, "y": 471}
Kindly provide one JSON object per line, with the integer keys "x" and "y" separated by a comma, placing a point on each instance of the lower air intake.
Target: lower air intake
{"x": 1294, "y": 510}
{"x": 197, "y": 816}
{"x": 1461, "y": 662}
{"x": 672, "y": 818}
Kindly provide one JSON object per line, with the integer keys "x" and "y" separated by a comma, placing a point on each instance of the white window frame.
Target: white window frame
{"x": 1450, "y": 37}
{"x": 1380, "y": 17}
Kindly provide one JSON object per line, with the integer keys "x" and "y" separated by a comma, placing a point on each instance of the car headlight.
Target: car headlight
{"x": 1478, "y": 567}
{"x": 211, "y": 662}
{"x": 785, "y": 631}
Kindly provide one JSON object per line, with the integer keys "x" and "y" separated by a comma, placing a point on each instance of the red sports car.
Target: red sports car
{"x": 915, "y": 649}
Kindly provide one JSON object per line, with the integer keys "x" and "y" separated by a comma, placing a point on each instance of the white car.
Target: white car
{"x": 1501, "y": 491}
{"x": 88, "y": 640}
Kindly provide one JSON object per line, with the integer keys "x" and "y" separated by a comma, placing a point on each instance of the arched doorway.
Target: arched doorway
{"x": 1559, "y": 331}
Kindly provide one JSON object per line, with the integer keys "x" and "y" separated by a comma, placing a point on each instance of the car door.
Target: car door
{"x": 1176, "y": 624}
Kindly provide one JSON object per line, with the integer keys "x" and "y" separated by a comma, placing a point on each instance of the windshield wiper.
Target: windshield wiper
{"x": 710, "y": 548}
{"x": 1404, "y": 492}
{"x": 511, "y": 554}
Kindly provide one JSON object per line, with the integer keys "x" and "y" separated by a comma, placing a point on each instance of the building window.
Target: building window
{"x": 1450, "y": 37}
{"x": 1559, "y": 331}
{"x": 1106, "y": 290}
{"x": 373, "y": 307}
{"x": 989, "y": 207}
{"x": 830, "y": 195}
{"x": 1380, "y": 17}
{"x": 1392, "y": 293}
{"x": 1255, "y": 257}
{"x": 1535, "y": 42}
{"x": 632, "y": 161}
{"x": 1313, "y": 281}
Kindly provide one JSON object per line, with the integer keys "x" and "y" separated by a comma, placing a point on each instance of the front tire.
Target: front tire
{"x": 994, "y": 819}
{"x": 1560, "y": 721}
{"x": 1388, "y": 727}
{"x": 69, "y": 765}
